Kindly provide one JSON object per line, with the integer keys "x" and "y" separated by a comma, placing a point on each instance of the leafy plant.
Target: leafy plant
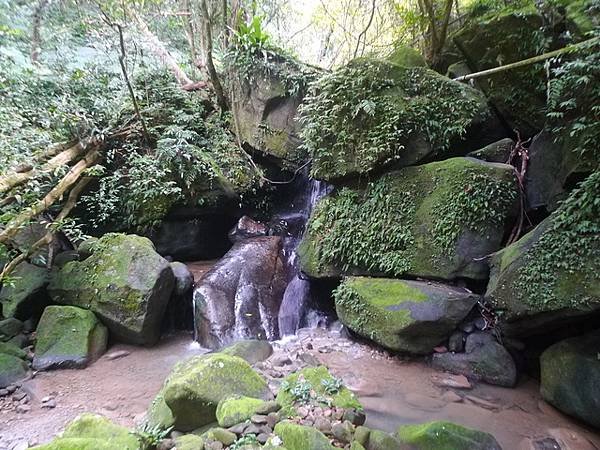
{"x": 151, "y": 435}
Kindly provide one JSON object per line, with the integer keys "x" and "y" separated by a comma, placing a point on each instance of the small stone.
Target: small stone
{"x": 47, "y": 399}
{"x": 12, "y": 388}
{"x": 252, "y": 429}
{"x": 49, "y": 404}
{"x": 117, "y": 355}
{"x": 342, "y": 431}
{"x": 111, "y": 406}
{"x": 238, "y": 429}
{"x": 440, "y": 349}
{"x": 452, "y": 397}
{"x": 268, "y": 408}
{"x": 302, "y": 412}
{"x": 166, "y": 444}
{"x": 451, "y": 381}
{"x": 262, "y": 438}
{"x": 281, "y": 360}
{"x": 354, "y": 417}
{"x": 214, "y": 445}
{"x": 4, "y": 392}
{"x": 456, "y": 342}
{"x": 338, "y": 413}
{"x": 18, "y": 396}
{"x": 223, "y": 435}
{"x": 258, "y": 419}
{"x": 22, "y": 409}
{"x": 323, "y": 425}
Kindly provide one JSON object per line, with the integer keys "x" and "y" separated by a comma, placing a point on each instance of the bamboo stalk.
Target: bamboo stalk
{"x": 526, "y": 62}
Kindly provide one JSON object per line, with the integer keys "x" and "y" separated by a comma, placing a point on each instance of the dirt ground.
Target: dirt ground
{"x": 393, "y": 391}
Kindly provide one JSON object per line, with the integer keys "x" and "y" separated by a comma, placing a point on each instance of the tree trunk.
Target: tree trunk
{"x": 36, "y": 38}
{"x": 212, "y": 71}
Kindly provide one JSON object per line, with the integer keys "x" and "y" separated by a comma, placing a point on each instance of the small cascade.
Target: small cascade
{"x": 295, "y": 311}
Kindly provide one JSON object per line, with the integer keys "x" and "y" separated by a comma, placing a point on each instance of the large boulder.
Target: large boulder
{"x": 93, "y": 432}
{"x": 484, "y": 359}
{"x": 191, "y": 393}
{"x": 26, "y": 296}
{"x": 570, "y": 377}
{"x": 548, "y": 278}
{"x": 373, "y": 113}
{"x": 12, "y": 369}
{"x": 239, "y": 298}
{"x": 441, "y": 435}
{"x": 124, "y": 282}
{"x": 406, "y": 316}
{"x": 68, "y": 337}
{"x": 269, "y": 93}
{"x": 436, "y": 220}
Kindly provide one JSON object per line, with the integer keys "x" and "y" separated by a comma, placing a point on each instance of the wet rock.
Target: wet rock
{"x": 10, "y": 328}
{"x": 239, "y": 298}
{"x": 247, "y": 228}
{"x": 191, "y": 393}
{"x": 408, "y": 316}
{"x": 498, "y": 152}
{"x": 570, "y": 371}
{"x": 456, "y": 342}
{"x": 354, "y": 416}
{"x": 67, "y": 338}
{"x": 121, "y": 267}
{"x": 342, "y": 431}
{"x": 9, "y": 348}
{"x": 299, "y": 437}
{"x": 426, "y": 217}
{"x": 379, "y": 440}
{"x": 184, "y": 280}
{"x": 484, "y": 359}
{"x": 27, "y": 296}
{"x": 117, "y": 355}
{"x": 441, "y": 435}
{"x": 451, "y": 381}
{"x": 252, "y": 350}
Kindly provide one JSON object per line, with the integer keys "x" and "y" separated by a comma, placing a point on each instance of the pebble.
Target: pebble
{"x": 258, "y": 419}
{"x": 22, "y": 409}
{"x": 281, "y": 360}
{"x": 49, "y": 404}
{"x": 116, "y": 355}
{"x": 238, "y": 429}
{"x": 18, "y": 396}
{"x": 262, "y": 438}
{"x": 451, "y": 381}
{"x": 342, "y": 431}
{"x": 4, "y": 392}
{"x": 323, "y": 425}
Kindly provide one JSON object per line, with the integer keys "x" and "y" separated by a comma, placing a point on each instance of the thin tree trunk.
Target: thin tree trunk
{"x": 36, "y": 38}
{"x": 47, "y": 238}
{"x": 363, "y": 33}
{"x": 190, "y": 32}
{"x": 212, "y": 71}
{"x": 8, "y": 182}
{"x": 52, "y": 197}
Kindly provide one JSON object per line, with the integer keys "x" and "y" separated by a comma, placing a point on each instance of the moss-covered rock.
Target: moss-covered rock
{"x": 570, "y": 371}
{"x": 233, "y": 410}
{"x": 10, "y": 328}
{"x": 196, "y": 386}
{"x": 440, "y": 435}
{"x": 498, "y": 151}
{"x": 90, "y": 431}
{"x": 371, "y": 113}
{"x": 124, "y": 282}
{"x": 189, "y": 442}
{"x": 68, "y": 337}
{"x": 315, "y": 385}
{"x": 12, "y": 368}
{"x": 406, "y": 316}
{"x": 8, "y": 348}
{"x": 299, "y": 437}
{"x": 405, "y": 56}
{"x": 26, "y": 296}
{"x": 436, "y": 220}
{"x": 549, "y": 276}
{"x": 251, "y": 350}
{"x": 380, "y": 440}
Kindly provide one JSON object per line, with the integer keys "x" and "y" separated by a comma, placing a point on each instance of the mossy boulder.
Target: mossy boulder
{"x": 441, "y": 435}
{"x": 406, "y": 316}
{"x": 27, "y": 296}
{"x": 68, "y": 337}
{"x": 548, "y": 278}
{"x": 373, "y": 113}
{"x": 299, "y": 437}
{"x": 233, "y": 410}
{"x": 12, "y": 369}
{"x": 321, "y": 384}
{"x": 195, "y": 387}
{"x": 9, "y": 328}
{"x": 498, "y": 151}
{"x": 403, "y": 55}
{"x": 380, "y": 440}
{"x": 8, "y": 348}
{"x": 570, "y": 374}
{"x": 251, "y": 350}
{"x": 124, "y": 282}
{"x": 90, "y": 431}
{"x": 189, "y": 442}
{"x": 436, "y": 220}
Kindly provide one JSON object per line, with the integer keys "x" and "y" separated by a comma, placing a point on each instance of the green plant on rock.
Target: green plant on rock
{"x": 150, "y": 436}
{"x": 248, "y": 439}
{"x": 367, "y": 112}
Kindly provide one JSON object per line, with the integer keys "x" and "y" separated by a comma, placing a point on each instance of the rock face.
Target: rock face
{"x": 124, "y": 282}
{"x": 68, "y": 338}
{"x": 484, "y": 359}
{"x": 239, "y": 298}
{"x": 27, "y": 296}
{"x": 406, "y": 316}
{"x": 191, "y": 393}
{"x": 441, "y": 435}
{"x": 12, "y": 368}
{"x": 93, "y": 432}
{"x": 362, "y": 135}
{"x": 436, "y": 221}
{"x": 570, "y": 371}
{"x": 549, "y": 277}
{"x": 267, "y": 107}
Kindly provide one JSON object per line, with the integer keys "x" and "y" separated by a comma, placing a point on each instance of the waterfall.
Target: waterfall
{"x": 294, "y": 311}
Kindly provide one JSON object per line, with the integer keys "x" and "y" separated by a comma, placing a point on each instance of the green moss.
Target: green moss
{"x": 314, "y": 385}
{"x": 411, "y": 221}
{"x": 298, "y": 437}
{"x": 76, "y": 444}
{"x": 235, "y": 410}
{"x": 370, "y": 112}
{"x": 28, "y": 281}
{"x": 196, "y": 386}
{"x": 189, "y": 442}
{"x": 12, "y": 369}
{"x": 441, "y": 435}
{"x": 407, "y": 57}
{"x": 11, "y": 349}
{"x": 159, "y": 414}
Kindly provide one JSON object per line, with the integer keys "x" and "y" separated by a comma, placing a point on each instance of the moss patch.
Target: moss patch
{"x": 442, "y": 435}
{"x": 298, "y": 437}
{"x": 235, "y": 410}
